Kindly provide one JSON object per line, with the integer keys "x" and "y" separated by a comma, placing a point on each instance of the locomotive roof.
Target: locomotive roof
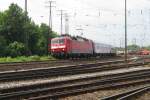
{"x": 78, "y": 38}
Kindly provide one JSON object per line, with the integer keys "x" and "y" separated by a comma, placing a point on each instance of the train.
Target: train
{"x": 66, "y": 46}
{"x": 143, "y": 52}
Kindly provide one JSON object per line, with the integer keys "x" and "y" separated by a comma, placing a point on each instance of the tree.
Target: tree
{"x": 133, "y": 47}
{"x": 33, "y": 37}
{"x": 45, "y": 34}
{"x": 16, "y": 28}
{"x": 14, "y": 23}
{"x": 3, "y": 46}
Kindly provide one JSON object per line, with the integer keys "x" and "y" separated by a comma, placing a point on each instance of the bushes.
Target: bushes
{"x": 16, "y": 49}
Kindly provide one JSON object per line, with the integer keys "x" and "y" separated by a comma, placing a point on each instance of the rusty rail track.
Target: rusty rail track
{"x": 128, "y": 94}
{"x": 17, "y": 66}
{"x": 73, "y": 87}
{"x": 66, "y": 70}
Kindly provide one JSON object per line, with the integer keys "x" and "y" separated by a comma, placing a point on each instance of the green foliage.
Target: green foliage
{"x": 130, "y": 48}
{"x": 19, "y": 35}
{"x": 148, "y": 48}
{"x": 3, "y": 46}
{"x": 25, "y": 59}
{"x": 14, "y": 22}
{"x": 33, "y": 37}
{"x": 133, "y": 47}
{"x": 43, "y": 41}
{"x": 16, "y": 49}
{"x": 43, "y": 58}
{"x": 36, "y": 58}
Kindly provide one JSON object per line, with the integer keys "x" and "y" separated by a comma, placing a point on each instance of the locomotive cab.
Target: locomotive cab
{"x": 58, "y": 46}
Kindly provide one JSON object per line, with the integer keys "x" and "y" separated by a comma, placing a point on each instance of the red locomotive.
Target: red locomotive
{"x": 68, "y": 46}
{"x": 144, "y": 52}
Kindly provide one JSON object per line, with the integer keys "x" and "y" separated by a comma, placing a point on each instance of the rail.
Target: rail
{"x": 65, "y": 70}
{"x": 128, "y": 94}
{"x": 77, "y": 87}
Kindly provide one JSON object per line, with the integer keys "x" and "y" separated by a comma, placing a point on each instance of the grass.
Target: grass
{"x": 25, "y": 59}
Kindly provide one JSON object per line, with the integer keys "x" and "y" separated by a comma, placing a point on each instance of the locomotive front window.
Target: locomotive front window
{"x": 58, "y": 41}
{"x": 55, "y": 41}
{"x": 61, "y": 41}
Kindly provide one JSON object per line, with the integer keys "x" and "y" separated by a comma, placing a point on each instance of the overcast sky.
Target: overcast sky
{"x": 101, "y": 20}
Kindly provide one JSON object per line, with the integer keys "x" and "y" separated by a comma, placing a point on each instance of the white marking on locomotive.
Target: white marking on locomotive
{"x": 55, "y": 47}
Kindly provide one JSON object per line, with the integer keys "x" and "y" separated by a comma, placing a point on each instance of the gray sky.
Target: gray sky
{"x": 106, "y": 28}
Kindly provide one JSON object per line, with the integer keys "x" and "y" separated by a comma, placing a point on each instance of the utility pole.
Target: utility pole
{"x": 120, "y": 43}
{"x": 50, "y": 26}
{"x": 61, "y": 19}
{"x": 149, "y": 19}
{"x": 66, "y": 24}
{"x": 26, "y": 36}
{"x": 126, "y": 33}
{"x": 26, "y": 6}
{"x": 99, "y": 13}
{"x": 50, "y": 13}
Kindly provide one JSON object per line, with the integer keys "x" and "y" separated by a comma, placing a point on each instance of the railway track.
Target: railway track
{"x": 65, "y": 88}
{"x": 128, "y": 94}
{"x": 52, "y": 61}
{"x": 65, "y": 70}
{"x": 16, "y": 66}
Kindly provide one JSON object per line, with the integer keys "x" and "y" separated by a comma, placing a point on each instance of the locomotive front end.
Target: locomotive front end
{"x": 58, "y": 47}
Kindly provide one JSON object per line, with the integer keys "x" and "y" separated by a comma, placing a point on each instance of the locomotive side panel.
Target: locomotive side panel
{"x": 68, "y": 46}
{"x": 81, "y": 47}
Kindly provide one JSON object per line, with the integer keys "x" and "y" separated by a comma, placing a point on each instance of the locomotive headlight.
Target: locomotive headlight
{"x": 63, "y": 49}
